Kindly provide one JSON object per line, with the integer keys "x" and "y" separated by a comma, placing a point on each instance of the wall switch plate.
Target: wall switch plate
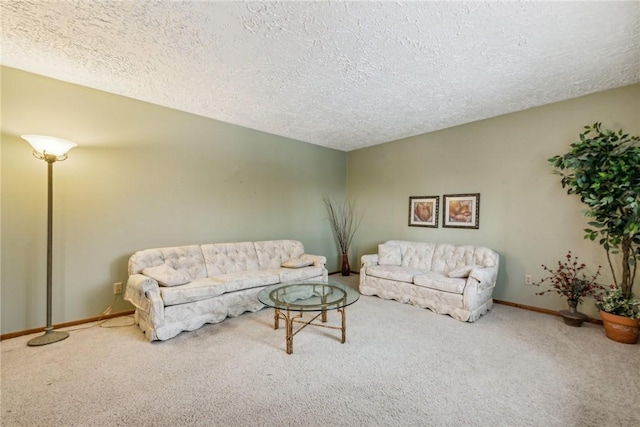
{"x": 117, "y": 288}
{"x": 528, "y": 280}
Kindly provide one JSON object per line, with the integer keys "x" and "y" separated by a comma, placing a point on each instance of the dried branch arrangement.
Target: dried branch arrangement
{"x": 344, "y": 219}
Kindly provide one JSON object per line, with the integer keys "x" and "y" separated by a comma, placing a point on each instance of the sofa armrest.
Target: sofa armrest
{"x": 144, "y": 293}
{"x": 318, "y": 260}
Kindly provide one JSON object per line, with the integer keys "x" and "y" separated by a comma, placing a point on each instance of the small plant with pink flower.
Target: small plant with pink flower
{"x": 570, "y": 279}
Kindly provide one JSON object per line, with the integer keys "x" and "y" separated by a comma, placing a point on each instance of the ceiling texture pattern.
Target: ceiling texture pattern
{"x": 339, "y": 74}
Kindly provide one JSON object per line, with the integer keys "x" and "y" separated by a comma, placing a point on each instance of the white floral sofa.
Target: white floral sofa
{"x": 181, "y": 288}
{"x": 449, "y": 279}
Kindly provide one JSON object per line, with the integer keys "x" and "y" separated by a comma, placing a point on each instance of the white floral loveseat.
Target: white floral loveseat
{"x": 448, "y": 279}
{"x": 181, "y": 288}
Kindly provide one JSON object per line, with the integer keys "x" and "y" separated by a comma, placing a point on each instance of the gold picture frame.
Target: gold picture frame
{"x": 461, "y": 210}
{"x": 423, "y": 211}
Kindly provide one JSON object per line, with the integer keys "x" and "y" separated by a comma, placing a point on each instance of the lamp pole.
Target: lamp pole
{"x": 50, "y": 336}
{"x": 50, "y": 150}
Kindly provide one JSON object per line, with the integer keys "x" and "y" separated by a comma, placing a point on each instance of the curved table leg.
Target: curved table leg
{"x": 289, "y": 318}
{"x": 288, "y": 322}
{"x": 344, "y": 323}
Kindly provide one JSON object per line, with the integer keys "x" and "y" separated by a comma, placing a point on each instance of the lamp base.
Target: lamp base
{"x": 49, "y": 337}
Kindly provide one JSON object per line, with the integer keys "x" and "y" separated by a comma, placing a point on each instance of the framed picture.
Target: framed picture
{"x": 423, "y": 211}
{"x": 461, "y": 210}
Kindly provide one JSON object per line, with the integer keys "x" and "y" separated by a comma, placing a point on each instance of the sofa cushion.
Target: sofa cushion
{"x": 462, "y": 271}
{"x": 440, "y": 282}
{"x": 299, "y": 274}
{"x": 197, "y": 290}
{"x": 272, "y": 253}
{"x": 224, "y": 258}
{"x": 392, "y": 272}
{"x": 389, "y": 255}
{"x": 297, "y": 263}
{"x": 247, "y": 279}
{"x": 166, "y": 276}
{"x": 186, "y": 259}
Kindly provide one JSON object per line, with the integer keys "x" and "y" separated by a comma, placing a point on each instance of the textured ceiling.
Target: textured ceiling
{"x": 344, "y": 75}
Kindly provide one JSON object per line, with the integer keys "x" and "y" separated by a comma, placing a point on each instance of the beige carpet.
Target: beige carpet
{"x": 400, "y": 366}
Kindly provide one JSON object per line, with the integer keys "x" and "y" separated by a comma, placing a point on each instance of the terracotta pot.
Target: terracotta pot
{"x": 346, "y": 269}
{"x": 619, "y": 328}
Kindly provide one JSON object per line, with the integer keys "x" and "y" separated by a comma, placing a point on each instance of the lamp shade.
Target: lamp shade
{"x": 49, "y": 145}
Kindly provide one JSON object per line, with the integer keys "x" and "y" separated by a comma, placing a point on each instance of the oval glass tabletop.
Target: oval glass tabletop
{"x": 308, "y": 296}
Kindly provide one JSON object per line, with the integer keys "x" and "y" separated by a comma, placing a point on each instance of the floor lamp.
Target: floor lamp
{"x": 50, "y": 150}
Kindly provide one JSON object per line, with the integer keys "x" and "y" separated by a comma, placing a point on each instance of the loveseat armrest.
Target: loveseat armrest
{"x": 370, "y": 259}
{"x": 318, "y": 260}
{"x": 366, "y": 261}
{"x": 485, "y": 276}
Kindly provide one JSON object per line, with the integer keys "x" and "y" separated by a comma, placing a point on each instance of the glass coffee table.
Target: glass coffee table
{"x": 291, "y": 300}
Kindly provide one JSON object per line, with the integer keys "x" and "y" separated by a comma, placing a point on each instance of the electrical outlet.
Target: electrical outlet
{"x": 528, "y": 280}
{"x": 117, "y": 288}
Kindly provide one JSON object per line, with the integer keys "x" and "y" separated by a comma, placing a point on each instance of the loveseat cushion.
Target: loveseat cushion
{"x": 462, "y": 271}
{"x": 448, "y": 256}
{"x": 166, "y": 276}
{"x": 197, "y": 290}
{"x": 392, "y": 272}
{"x": 416, "y": 255}
{"x": 440, "y": 282}
{"x": 389, "y": 254}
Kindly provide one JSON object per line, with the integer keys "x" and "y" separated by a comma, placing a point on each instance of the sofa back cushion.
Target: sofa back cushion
{"x": 417, "y": 255}
{"x": 448, "y": 257}
{"x": 187, "y": 260}
{"x": 166, "y": 276}
{"x": 272, "y": 253}
{"x": 225, "y": 258}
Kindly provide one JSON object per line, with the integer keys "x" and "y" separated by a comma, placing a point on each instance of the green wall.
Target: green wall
{"x": 525, "y": 214}
{"x": 142, "y": 176}
{"x": 147, "y": 176}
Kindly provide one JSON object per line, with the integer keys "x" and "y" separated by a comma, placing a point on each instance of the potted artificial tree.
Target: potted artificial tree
{"x": 344, "y": 220}
{"x": 603, "y": 169}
